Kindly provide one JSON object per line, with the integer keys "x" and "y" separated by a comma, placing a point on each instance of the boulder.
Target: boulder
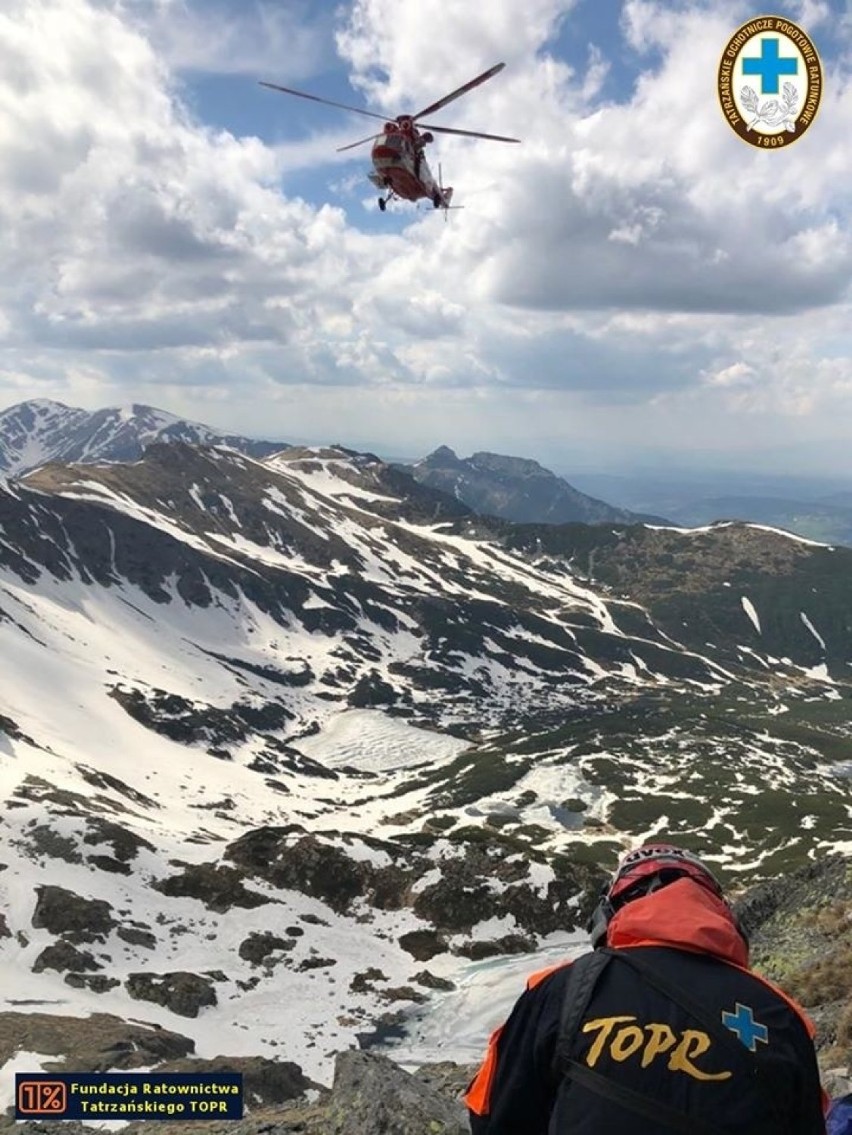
{"x": 184, "y": 993}
{"x": 308, "y": 865}
{"x": 508, "y": 944}
{"x": 89, "y": 1044}
{"x": 259, "y": 947}
{"x": 96, "y": 982}
{"x": 432, "y": 981}
{"x": 265, "y": 1082}
{"x": 373, "y": 1096}
{"x": 62, "y": 956}
{"x": 423, "y": 944}
{"x": 219, "y": 887}
{"x": 135, "y": 936}
{"x": 75, "y": 918}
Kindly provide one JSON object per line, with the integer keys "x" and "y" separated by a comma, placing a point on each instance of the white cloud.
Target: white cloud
{"x": 406, "y": 56}
{"x": 151, "y": 231}
{"x": 812, "y": 13}
{"x": 631, "y": 263}
{"x": 737, "y": 374}
{"x": 245, "y": 39}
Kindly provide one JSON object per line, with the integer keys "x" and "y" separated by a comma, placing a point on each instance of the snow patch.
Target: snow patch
{"x": 749, "y": 609}
{"x": 812, "y": 629}
{"x": 368, "y": 740}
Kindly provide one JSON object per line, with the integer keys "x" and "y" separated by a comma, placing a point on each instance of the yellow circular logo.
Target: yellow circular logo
{"x": 770, "y": 82}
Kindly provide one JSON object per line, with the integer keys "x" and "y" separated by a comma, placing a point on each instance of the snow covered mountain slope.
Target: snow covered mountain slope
{"x": 286, "y": 744}
{"x": 35, "y": 432}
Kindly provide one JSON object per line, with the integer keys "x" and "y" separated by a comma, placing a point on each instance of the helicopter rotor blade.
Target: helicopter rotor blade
{"x": 489, "y": 74}
{"x": 467, "y": 133}
{"x": 352, "y": 145}
{"x": 326, "y": 102}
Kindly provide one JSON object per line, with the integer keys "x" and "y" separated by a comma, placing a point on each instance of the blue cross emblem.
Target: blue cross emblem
{"x": 748, "y": 1030}
{"x": 769, "y": 66}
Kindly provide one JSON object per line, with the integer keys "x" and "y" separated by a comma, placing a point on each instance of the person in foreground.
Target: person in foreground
{"x": 661, "y": 1027}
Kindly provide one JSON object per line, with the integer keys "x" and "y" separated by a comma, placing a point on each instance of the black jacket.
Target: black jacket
{"x": 636, "y": 1036}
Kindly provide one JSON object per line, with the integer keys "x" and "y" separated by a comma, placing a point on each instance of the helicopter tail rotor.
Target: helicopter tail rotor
{"x": 446, "y": 195}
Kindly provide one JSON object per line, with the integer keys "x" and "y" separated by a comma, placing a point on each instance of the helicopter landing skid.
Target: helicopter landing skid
{"x": 386, "y": 200}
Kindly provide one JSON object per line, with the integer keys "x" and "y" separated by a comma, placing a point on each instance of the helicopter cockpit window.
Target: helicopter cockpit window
{"x": 393, "y": 141}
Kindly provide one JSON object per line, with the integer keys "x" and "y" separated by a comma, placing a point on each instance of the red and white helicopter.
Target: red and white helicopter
{"x": 399, "y": 166}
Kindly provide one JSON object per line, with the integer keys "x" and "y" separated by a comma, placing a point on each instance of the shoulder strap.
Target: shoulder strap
{"x": 748, "y": 1061}
{"x": 583, "y": 976}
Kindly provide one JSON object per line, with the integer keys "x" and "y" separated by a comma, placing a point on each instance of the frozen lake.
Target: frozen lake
{"x": 456, "y": 1025}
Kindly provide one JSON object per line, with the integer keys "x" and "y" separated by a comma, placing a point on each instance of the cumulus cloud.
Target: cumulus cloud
{"x": 631, "y": 258}
{"x": 652, "y": 203}
{"x": 127, "y": 225}
{"x": 735, "y": 375}
{"x": 216, "y": 37}
{"x": 397, "y": 57}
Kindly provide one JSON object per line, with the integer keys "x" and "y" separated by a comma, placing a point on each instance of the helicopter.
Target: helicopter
{"x": 400, "y": 169}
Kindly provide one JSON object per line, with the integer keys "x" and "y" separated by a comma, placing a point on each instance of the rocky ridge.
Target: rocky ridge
{"x": 516, "y": 489}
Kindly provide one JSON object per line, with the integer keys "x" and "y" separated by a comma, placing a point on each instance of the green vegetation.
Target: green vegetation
{"x": 723, "y": 771}
{"x": 509, "y": 843}
{"x": 437, "y": 775}
{"x": 532, "y": 832}
{"x": 603, "y": 853}
{"x": 481, "y": 775}
{"x": 440, "y": 823}
{"x": 636, "y": 814}
{"x": 499, "y": 819}
{"x": 830, "y": 747}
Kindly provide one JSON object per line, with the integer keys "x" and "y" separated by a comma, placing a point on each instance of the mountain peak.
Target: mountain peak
{"x": 517, "y": 489}
{"x": 443, "y": 455}
{"x": 40, "y": 431}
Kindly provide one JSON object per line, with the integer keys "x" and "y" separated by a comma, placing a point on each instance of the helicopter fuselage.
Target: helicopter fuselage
{"x": 400, "y": 166}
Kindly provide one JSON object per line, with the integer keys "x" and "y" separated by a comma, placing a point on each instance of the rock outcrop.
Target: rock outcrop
{"x": 801, "y": 936}
{"x": 76, "y": 918}
{"x": 371, "y": 1093}
{"x": 184, "y": 993}
{"x": 89, "y": 1044}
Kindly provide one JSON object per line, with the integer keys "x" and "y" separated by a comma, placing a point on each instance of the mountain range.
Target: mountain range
{"x": 301, "y": 730}
{"x": 38, "y": 431}
{"x": 35, "y": 432}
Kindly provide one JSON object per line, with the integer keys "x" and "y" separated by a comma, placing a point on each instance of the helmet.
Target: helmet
{"x": 641, "y": 871}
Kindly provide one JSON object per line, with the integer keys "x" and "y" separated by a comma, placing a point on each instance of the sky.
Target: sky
{"x": 631, "y": 284}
